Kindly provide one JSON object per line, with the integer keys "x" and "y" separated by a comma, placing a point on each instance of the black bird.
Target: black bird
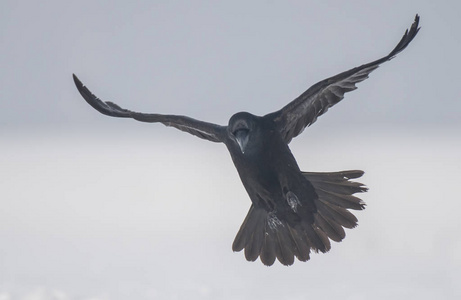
{"x": 292, "y": 212}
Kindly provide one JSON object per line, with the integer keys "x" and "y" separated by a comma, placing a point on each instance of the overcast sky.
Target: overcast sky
{"x": 98, "y": 208}
{"x": 209, "y": 60}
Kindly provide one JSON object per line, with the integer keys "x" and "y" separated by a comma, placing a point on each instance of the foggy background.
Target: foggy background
{"x": 98, "y": 208}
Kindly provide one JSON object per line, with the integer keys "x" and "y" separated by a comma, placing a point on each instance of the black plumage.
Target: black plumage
{"x": 292, "y": 212}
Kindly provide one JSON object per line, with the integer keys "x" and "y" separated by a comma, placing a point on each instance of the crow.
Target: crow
{"x": 292, "y": 212}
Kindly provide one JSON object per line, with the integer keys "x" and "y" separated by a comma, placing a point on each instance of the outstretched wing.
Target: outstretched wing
{"x": 204, "y": 130}
{"x": 304, "y": 110}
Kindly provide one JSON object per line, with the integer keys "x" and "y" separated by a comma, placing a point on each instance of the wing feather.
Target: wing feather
{"x": 292, "y": 119}
{"x": 204, "y": 130}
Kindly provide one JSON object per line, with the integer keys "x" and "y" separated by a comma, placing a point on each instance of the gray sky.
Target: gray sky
{"x": 98, "y": 208}
{"x": 210, "y": 60}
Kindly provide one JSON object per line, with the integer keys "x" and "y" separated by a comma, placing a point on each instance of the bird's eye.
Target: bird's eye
{"x": 241, "y": 131}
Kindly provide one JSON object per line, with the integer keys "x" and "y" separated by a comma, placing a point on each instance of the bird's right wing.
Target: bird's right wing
{"x": 204, "y": 130}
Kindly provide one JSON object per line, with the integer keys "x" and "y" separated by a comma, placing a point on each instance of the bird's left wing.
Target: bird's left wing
{"x": 304, "y": 110}
{"x": 204, "y": 130}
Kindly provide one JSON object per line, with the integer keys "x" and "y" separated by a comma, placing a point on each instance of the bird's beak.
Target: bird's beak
{"x": 242, "y": 139}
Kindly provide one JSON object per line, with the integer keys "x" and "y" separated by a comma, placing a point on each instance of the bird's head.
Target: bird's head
{"x": 241, "y": 126}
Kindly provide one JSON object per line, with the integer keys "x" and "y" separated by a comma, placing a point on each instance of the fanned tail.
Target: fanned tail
{"x": 263, "y": 235}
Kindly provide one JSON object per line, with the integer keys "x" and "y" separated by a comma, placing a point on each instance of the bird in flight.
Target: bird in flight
{"x": 292, "y": 212}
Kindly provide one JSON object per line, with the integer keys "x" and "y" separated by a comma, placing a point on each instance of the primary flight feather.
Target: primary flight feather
{"x": 292, "y": 212}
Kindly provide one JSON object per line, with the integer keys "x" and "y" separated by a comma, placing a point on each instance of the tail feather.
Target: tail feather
{"x": 255, "y": 243}
{"x": 317, "y": 238}
{"x": 331, "y": 228}
{"x": 334, "y": 190}
{"x": 268, "y": 250}
{"x": 284, "y": 248}
{"x": 335, "y": 213}
{"x": 333, "y": 176}
{"x": 253, "y": 218}
{"x": 263, "y": 234}
{"x": 345, "y": 188}
{"x": 341, "y": 200}
{"x": 301, "y": 246}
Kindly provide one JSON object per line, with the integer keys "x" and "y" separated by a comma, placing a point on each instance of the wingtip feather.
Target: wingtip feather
{"x": 77, "y": 81}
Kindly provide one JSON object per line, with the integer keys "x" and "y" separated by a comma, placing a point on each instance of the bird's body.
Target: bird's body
{"x": 281, "y": 220}
{"x": 269, "y": 175}
{"x": 292, "y": 212}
